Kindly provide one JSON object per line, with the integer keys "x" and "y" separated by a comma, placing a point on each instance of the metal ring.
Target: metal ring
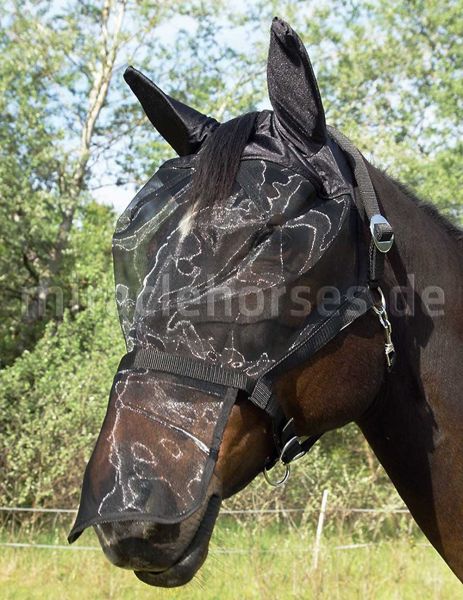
{"x": 283, "y": 480}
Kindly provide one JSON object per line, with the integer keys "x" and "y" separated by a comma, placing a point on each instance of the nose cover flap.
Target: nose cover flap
{"x": 156, "y": 451}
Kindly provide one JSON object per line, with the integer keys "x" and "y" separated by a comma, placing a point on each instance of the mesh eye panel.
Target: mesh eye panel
{"x": 229, "y": 296}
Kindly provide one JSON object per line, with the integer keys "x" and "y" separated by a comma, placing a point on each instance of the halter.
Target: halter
{"x": 288, "y": 445}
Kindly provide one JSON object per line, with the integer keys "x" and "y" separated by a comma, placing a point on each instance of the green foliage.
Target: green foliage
{"x": 52, "y": 399}
{"x": 70, "y": 124}
{"x": 391, "y": 78}
{"x": 340, "y": 462}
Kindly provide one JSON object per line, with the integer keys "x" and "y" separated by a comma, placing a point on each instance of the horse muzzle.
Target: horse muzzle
{"x": 151, "y": 472}
{"x": 162, "y": 555}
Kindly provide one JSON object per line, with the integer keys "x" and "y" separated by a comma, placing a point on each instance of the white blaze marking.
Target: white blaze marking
{"x": 187, "y": 221}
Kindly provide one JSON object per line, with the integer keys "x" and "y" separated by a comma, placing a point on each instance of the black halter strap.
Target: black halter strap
{"x": 288, "y": 444}
{"x": 382, "y": 235}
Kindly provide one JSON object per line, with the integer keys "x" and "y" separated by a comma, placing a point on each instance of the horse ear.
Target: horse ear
{"x": 293, "y": 89}
{"x": 183, "y": 127}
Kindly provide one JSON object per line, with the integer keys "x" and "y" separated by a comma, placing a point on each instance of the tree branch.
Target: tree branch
{"x": 73, "y": 186}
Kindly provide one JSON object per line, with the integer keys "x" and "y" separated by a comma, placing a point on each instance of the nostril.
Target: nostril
{"x": 112, "y": 533}
{"x": 153, "y": 571}
{"x": 138, "y": 555}
{"x": 140, "y": 546}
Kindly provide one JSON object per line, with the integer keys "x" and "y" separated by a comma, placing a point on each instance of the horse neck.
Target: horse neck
{"x": 416, "y": 425}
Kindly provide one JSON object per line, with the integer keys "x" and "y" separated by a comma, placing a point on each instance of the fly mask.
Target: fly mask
{"x": 281, "y": 268}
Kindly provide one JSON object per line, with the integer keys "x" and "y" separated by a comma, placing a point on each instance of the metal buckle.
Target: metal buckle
{"x": 295, "y": 439}
{"x": 288, "y": 444}
{"x": 382, "y": 245}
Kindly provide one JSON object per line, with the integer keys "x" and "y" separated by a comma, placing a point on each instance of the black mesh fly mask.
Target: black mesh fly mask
{"x": 219, "y": 297}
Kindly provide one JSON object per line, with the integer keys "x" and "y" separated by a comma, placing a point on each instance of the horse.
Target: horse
{"x": 181, "y": 433}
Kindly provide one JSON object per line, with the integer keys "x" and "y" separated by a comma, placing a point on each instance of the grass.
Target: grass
{"x": 269, "y": 562}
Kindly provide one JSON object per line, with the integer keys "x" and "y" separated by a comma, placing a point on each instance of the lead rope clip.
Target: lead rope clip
{"x": 383, "y": 317}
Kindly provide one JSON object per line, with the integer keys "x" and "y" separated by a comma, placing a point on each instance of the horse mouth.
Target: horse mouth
{"x": 182, "y": 571}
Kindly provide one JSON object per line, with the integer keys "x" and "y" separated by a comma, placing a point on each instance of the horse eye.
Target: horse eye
{"x": 273, "y": 223}
{"x": 276, "y": 220}
{"x": 262, "y": 235}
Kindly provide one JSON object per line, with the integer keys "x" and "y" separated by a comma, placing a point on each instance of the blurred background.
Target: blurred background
{"x": 74, "y": 148}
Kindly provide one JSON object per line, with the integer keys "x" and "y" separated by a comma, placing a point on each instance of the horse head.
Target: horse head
{"x": 244, "y": 291}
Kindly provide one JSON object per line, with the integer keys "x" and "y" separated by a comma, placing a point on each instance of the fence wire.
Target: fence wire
{"x": 234, "y": 512}
{"x": 250, "y": 511}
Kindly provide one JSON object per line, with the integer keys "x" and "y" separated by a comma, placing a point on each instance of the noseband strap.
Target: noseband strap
{"x": 155, "y": 360}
